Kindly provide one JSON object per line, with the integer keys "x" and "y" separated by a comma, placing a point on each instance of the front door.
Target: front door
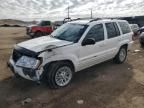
{"x": 93, "y": 54}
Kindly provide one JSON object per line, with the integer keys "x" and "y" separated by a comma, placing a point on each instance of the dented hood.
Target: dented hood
{"x": 43, "y": 43}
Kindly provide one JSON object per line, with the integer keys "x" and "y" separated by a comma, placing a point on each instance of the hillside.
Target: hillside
{"x": 14, "y": 22}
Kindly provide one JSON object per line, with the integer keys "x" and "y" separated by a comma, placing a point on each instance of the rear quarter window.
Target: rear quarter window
{"x": 124, "y": 27}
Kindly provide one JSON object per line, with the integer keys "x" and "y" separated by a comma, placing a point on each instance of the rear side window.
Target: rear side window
{"x": 96, "y": 32}
{"x": 125, "y": 27}
{"x": 112, "y": 30}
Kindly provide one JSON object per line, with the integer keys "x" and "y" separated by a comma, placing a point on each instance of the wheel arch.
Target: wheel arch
{"x": 66, "y": 60}
{"x": 124, "y": 45}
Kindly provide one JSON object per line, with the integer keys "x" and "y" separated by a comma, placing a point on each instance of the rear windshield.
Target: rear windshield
{"x": 125, "y": 27}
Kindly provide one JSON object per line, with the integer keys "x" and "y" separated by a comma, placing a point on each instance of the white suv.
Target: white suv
{"x": 72, "y": 47}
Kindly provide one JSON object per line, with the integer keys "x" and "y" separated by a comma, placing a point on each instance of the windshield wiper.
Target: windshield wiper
{"x": 58, "y": 37}
{"x": 51, "y": 35}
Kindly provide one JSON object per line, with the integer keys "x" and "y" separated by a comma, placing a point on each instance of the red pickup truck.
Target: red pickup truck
{"x": 41, "y": 29}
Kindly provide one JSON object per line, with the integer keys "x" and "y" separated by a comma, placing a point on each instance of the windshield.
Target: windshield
{"x": 70, "y": 32}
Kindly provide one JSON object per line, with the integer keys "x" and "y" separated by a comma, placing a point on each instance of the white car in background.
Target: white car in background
{"x": 72, "y": 47}
{"x": 134, "y": 27}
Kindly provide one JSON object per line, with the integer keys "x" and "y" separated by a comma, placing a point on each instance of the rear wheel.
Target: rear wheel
{"x": 38, "y": 34}
{"x": 59, "y": 74}
{"x": 121, "y": 56}
{"x": 142, "y": 44}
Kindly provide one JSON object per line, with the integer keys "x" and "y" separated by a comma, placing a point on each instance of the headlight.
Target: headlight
{"x": 28, "y": 62}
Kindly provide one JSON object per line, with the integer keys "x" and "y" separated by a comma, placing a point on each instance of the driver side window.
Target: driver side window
{"x": 96, "y": 32}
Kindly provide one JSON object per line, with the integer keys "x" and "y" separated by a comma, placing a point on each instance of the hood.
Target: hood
{"x": 43, "y": 43}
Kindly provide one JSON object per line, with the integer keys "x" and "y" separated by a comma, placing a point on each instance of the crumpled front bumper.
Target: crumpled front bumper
{"x": 29, "y": 74}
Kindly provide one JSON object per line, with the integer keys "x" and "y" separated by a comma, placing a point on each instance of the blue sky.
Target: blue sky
{"x": 57, "y": 9}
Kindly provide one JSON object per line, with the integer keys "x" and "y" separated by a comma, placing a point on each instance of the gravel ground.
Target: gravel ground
{"x": 106, "y": 85}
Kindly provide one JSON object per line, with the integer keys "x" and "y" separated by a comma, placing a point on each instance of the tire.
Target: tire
{"x": 32, "y": 36}
{"x": 54, "y": 72}
{"x": 142, "y": 44}
{"x": 121, "y": 56}
{"x": 38, "y": 34}
{"x": 17, "y": 76}
{"x": 45, "y": 34}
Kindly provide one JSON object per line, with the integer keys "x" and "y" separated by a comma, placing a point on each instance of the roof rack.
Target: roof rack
{"x": 69, "y": 19}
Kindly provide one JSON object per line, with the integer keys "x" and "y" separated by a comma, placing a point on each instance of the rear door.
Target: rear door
{"x": 113, "y": 38}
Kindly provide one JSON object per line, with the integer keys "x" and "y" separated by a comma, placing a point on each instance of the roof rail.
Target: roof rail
{"x": 76, "y": 19}
{"x": 102, "y": 18}
{"x": 95, "y": 19}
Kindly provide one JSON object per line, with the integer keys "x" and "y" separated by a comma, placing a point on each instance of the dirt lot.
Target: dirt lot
{"x": 106, "y": 85}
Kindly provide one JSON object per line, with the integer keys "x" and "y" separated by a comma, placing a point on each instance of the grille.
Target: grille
{"x": 16, "y": 55}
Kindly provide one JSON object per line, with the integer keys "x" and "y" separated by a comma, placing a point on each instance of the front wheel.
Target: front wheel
{"x": 121, "y": 56}
{"x": 59, "y": 74}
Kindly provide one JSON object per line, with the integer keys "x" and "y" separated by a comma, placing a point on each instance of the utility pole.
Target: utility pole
{"x": 91, "y": 13}
{"x": 68, "y": 10}
{"x": 68, "y": 16}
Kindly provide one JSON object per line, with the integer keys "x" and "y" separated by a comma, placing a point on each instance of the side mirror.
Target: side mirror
{"x": 89, "y": 41}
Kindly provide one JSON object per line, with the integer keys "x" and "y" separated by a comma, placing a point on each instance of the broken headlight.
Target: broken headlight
{"x": 28, "y": 62}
